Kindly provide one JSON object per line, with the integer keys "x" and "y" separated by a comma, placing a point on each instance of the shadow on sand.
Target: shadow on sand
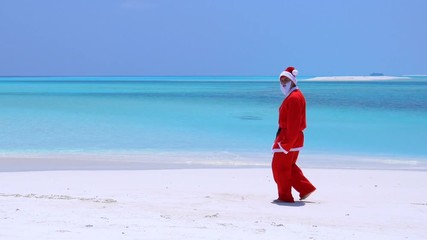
{"x": 288, "y": 204}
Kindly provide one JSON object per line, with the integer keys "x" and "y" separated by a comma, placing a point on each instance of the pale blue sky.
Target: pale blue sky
{"x": 212, "y": 37}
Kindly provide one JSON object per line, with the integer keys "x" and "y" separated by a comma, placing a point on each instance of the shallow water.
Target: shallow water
{"x": 230, "y": 115}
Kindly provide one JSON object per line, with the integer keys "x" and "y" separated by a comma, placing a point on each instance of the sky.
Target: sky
{"x": 212, "y": 37}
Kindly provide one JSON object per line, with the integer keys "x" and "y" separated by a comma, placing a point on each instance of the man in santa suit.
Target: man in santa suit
{"x": 290, "y": 140}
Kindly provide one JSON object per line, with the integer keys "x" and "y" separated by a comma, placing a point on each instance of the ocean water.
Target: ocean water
{"x": 232, "y": 116}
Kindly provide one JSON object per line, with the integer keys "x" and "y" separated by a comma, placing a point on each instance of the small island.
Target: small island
{"x": 375, "y": 74}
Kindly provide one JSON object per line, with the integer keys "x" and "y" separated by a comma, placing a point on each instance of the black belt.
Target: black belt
{"x": 278, "y": 131}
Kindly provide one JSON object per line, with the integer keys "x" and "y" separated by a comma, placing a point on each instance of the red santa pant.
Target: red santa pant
{"x": 287, "y": 175}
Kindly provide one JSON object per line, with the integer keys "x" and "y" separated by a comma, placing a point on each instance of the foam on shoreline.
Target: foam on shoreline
{"x": 45, "y": 161}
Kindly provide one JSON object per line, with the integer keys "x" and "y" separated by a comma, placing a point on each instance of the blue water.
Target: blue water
{"x": 208, "y": 114}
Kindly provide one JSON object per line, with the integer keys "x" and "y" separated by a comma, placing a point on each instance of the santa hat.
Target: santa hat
{"x": 290, "y": 73}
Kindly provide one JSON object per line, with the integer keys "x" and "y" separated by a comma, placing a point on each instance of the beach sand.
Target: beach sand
{"x": 210, "y": 204}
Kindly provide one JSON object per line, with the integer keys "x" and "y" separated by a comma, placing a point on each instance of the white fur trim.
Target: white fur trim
{"x": 296, "y": 149}
{"x": 282, "y": 150}
{"x": 289, "y": 75}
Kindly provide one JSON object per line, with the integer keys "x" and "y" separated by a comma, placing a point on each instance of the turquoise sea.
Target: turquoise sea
{"x": 232, "y": 116}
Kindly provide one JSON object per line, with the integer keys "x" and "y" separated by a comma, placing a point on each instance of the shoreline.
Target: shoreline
{"x": 210, "y": 204}
{"x": 149, "y": 160}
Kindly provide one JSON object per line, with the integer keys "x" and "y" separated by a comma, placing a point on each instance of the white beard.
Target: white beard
{"x": 285, "y": 88}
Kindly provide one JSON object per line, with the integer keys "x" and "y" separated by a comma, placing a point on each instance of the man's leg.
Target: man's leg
{"x": 299, "y": 181}
{"x": 282, "y": 173}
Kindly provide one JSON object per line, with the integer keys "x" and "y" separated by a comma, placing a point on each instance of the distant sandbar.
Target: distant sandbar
{"x": 356, "y": 78}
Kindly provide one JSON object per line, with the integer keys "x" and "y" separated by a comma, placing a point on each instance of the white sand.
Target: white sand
{"x": 356, "y": 78}
{"x": 210, "y": 204}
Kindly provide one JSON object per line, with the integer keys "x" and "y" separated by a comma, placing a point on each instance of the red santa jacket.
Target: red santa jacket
{"x": 292, "y": 122}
